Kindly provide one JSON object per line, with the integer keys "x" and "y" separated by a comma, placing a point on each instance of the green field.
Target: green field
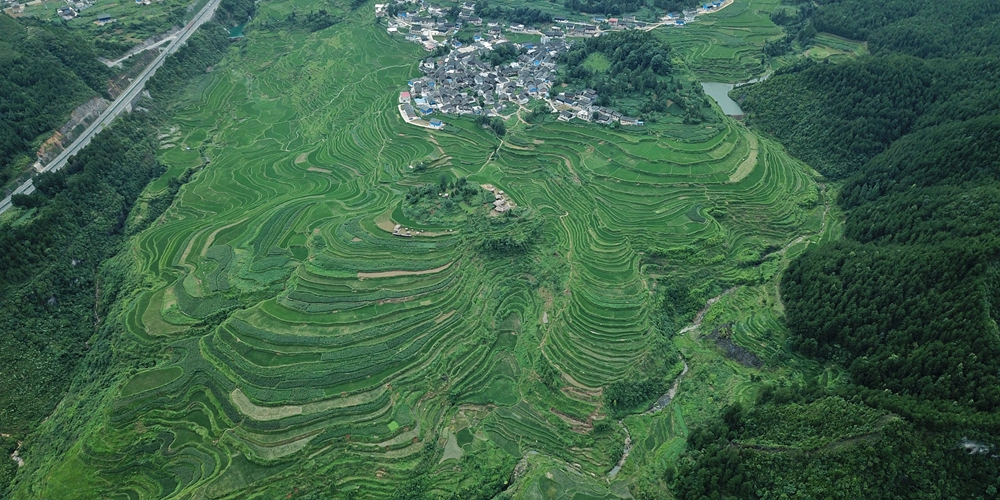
{"x": 305, "y": 349}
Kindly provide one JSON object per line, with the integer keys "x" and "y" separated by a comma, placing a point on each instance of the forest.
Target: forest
{"x": 55, "y": 285}
{"x": 45, "y": 72}
{"x": 637, "y": 71}
{"x": 836, "y": 117}
{"x": 805, "y": 442}
{"x": 921, "y": 28}
{"x": 906, "y": 301}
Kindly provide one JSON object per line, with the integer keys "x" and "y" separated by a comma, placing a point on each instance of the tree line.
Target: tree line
{"x": 523, "y": 15}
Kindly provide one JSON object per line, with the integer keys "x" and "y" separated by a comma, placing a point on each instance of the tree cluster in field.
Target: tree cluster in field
{"x": 489, "y": 475}
{"x": 619, "y": 7}
{"x": 319, "y": 20}
{"x": 606, "y": 7}
{"x": 494, "y": 123}
{"x": 639, "y": 71}
{"x": 676, "y": 6}
{"x": 906, "y": 301}
{"x": 444, "y": 200}
{"x": 510, "y": 233}
{"x": 45, "y": 72}
{"x": 312, "y": 21}
{"x": 523, "y": 15}
{"x": 504, "y": 53}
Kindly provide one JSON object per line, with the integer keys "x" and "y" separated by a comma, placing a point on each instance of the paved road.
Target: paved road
{"x": 121, "y": 103}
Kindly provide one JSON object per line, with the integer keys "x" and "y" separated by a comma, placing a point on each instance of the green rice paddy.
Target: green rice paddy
{"x": 307, "y": 349}
{"x": 725, "y": 46}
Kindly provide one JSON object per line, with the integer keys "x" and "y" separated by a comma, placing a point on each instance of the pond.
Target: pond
{"x": 720, "y": 92}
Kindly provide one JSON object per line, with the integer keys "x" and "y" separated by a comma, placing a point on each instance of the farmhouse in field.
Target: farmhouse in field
{"x": 501, "y": 203}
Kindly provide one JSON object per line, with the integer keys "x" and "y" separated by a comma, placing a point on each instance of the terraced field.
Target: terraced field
{"x": 305, "y": 349}
{"x": 725, "y": 46}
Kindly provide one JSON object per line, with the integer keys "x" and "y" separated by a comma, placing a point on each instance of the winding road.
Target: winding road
{"x": 122, "y": 103}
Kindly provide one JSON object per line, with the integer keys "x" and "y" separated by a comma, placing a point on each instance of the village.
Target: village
{"x": 461, "y": 82}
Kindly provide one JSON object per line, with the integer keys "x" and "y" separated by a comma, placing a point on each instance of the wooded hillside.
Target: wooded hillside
{"x": 906, "y": 302}
{"x": 45, "y": 72}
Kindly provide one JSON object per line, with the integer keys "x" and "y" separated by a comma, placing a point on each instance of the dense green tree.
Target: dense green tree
{"x": 523, "y": 15}
{"x": 639, "y": 70}
{"x": 907, "y": 301}
{"x": 45, "y": 72}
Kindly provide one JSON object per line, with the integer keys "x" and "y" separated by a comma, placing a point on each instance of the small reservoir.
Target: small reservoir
{"x": 236, "y": 32}
{"x": 720, "y": 93}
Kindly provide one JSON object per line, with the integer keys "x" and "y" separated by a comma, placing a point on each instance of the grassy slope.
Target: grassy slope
{"x": 325, "y": 382}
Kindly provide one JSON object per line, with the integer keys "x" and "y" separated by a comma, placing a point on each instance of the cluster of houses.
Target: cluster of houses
{"x": 404, "y": 232}
{"x": 73, "y": 9}
{"x": 461, "y": 83}
{"x": 410, "y": 115}
{"x": 501, "y": 203}
{"x": 582, "y": 106}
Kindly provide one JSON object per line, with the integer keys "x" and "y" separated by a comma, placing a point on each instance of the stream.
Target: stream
{"x": 665, "y": 399}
